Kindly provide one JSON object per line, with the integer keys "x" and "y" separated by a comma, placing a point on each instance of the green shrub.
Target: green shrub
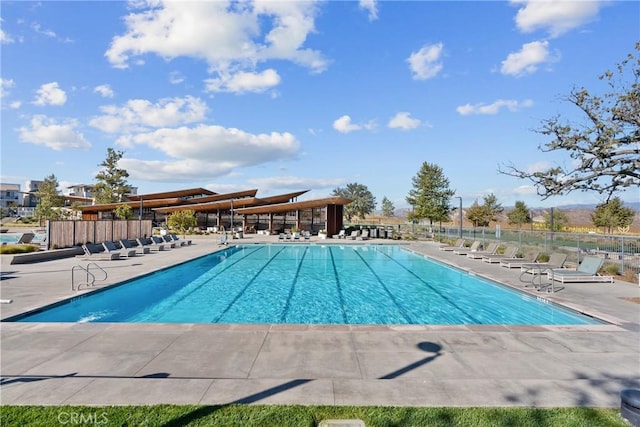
{"x": 18, "y": 249}
{"x": 543, "y": 257}
{"x": 611, "y": 269}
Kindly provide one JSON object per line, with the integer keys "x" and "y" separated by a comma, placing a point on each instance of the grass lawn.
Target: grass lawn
{"x": 303, "y": 416}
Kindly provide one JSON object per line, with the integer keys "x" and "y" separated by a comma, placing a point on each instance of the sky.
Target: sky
{"x": 288, "y": 96}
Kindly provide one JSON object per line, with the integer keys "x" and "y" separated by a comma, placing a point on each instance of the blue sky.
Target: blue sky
{"x": 286, "y": 96}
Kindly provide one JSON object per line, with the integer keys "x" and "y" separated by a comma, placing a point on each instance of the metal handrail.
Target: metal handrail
{"x": 90, "y": 277}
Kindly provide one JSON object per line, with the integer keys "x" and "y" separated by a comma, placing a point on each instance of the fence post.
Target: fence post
{"x": 578, "y": 240}
{"x": 622, "y": 254}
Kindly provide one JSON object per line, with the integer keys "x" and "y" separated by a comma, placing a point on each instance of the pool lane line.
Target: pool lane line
{"x": 253, "y": 279}
{"x": 399, "y": 307}
{"x": 338, "y": 284}
{"x": 293, "y": 285}
{"x": 188, "y": 294}
{"x": 453, "y": 304}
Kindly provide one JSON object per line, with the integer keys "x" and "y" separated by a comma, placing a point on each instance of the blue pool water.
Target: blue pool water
{"x": 13, "y": 238}
{"x": 311, "y": 284}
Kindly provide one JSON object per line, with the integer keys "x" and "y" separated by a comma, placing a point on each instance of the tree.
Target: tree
{"x": 430, "y": 195}
{"x": 363, "y": 202}
{"x": 612, "y": 214}
{"x": 112, "y": 181}
{"x": 182, "y": 220}
{"x": 482, "y": 215}
{"x": 560, "y": 220}
{"x": 48, "y": 199}
{"x": 124, "y": 212}
{"x": 605, "y": 150}
{"x": 519, "y": 215}
{"x": 388, "y": 209}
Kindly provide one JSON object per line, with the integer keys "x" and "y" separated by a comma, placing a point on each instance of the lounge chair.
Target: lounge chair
{"x": 342, "y": 234}
{"x": 157, "y": 240}
{"x": 587, "y": 271}
{"x": 178, "y": 240}
{"x": 464, "y": 251}
{"x": 281, "y": 236}
{"x": 556, "y": 260}
{"x": 149, "y": 243}
{"x": 125, "y": 243}
{"x": 223, "y": 240}
{"x": 364, "y": 235}
{"x": 93, "y": 253}
{"x": 112, "y": 248}
{"x": 491, "y": 249}
{"x": 457, "y": 245}
{"x": 518, "y": 262}
{"x": 306, "y": 235}
{"x": 168, "y": 239}
{"x": 509, "y": 252}
{"x": 354, "y": 234}
{"x": 25, "y": 238}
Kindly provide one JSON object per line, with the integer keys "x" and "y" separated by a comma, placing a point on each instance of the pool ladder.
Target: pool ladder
{"x": 90, "y": 278}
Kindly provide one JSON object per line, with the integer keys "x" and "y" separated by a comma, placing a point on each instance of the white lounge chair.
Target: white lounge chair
{"x": 160, "y": 241}
{"x": 509, "y": 252}
{"x": 518, "y": 262}
{"x": 341, "y": 235}
{"x": 364, "y": 235}
{"x": 464, "y": 251}
{"x": 125, "y": 243}
{"x": 587, "y": 271}
{"x": 93, "y": 253}
{"x": 149, "y": 243}
{"x": 179, "y": 241}
{"x": 457, "y": 245}
{"x": 491, "y": 250}
{"x": 112, "y": 248}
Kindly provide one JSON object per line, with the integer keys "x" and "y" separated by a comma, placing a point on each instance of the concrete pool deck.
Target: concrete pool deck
{"x": 117, "y": 364}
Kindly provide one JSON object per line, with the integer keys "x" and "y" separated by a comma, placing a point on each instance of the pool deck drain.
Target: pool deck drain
{"x": 412, "y": 365}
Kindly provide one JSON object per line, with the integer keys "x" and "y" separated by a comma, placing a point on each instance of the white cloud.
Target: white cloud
{"x": 14, "y": 105}
{"x": 426, "y": 63}
{"x": 494, "y": 108}
{"x": 38, "y": 29}
{"x": 295, "y": 182}
{"x": 5, "y": 38}
{"x": 528, "y": 59}
{"x": 50, "y": 94}
{"x": 5, "y": 86}
{"x": 176, "y": 77}
{"x": 140, "y": 114}
{"x": 344, "y": 125}
{"x": 47, "y": 132}
{"x": 206, "y": 151}
{"x": 370, "y": 6}
{"x": 244, "y": 82}
{"x": 525, "y": 190}
{"x": 104, "y": 90}
{"x": 557, "y": 17}
{"x": 403, "y": 120}
{"x": 538, "y": 167}
{"x": 230, "y": 37}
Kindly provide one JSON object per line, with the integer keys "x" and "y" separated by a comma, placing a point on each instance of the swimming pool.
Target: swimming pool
{"x": 311, "y": 284}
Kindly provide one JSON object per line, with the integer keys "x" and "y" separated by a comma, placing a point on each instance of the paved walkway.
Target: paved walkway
{"x": 96, "y": 364}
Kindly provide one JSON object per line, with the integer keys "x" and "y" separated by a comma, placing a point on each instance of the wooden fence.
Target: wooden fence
{"x": 65, "y": 234}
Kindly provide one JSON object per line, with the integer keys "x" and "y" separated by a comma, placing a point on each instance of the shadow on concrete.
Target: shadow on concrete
{"x": 424, "y": 346}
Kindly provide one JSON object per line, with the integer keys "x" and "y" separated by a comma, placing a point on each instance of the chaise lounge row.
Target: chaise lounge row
{"x": 109, "y": 251}
{"x": 532, "y": 269}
